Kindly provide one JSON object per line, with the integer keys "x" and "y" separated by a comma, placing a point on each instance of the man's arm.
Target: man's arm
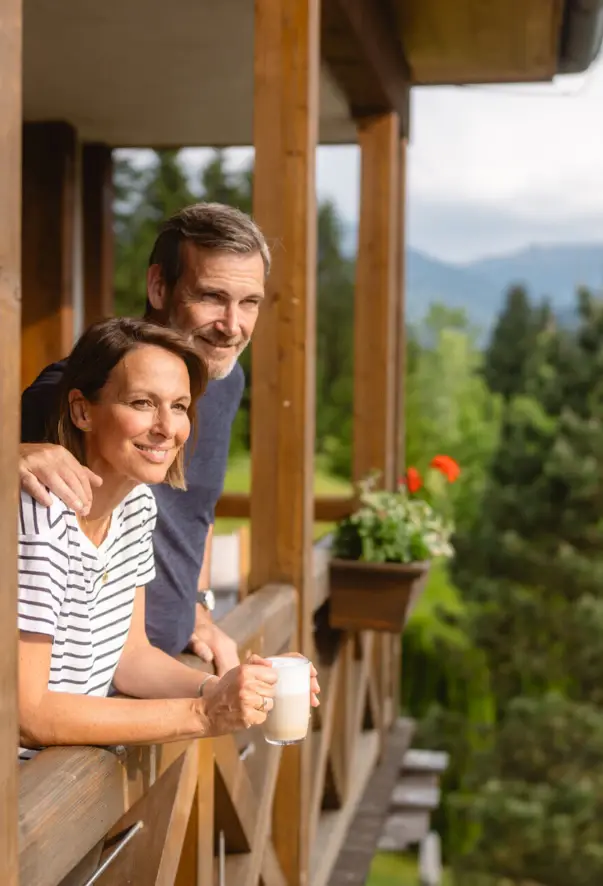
{"x": 208, "y": 641}
{"x": 43, "y": 465}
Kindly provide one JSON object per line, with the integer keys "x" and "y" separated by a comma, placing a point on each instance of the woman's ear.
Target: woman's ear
{"x": 78, "y": 409}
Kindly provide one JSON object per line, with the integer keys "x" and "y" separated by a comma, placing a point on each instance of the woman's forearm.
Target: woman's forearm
{"x": 147, "y": 672}
{"x": 65, "y": 719}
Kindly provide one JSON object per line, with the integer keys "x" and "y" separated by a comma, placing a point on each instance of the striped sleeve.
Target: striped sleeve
{"x": 43, "y": 565}
{"x": 146, "y": 559}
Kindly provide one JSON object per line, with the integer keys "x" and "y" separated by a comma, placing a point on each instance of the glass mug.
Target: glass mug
{"x": 287, "y": 722}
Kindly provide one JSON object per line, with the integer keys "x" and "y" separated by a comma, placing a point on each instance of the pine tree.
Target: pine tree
{"x": 532, "y": 570}
{"x": 511, "y": 344}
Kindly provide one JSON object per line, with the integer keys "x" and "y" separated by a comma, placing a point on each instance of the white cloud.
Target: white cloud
{"x": 489, "y": 168}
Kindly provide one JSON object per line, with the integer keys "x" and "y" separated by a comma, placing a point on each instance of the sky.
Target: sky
{"x": 490, "y": 169}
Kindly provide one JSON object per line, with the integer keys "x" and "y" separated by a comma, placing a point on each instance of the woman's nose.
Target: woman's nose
{"x": 164, "y": 422}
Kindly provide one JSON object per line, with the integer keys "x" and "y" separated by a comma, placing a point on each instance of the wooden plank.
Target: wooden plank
{"x": 365, "y": 824}
{"x": 49, "y": 162}
{"x": 475, "y": 42}
{"x": 400, "y": 322}
{"x": 327, "y": 508}
{"x": 268, "y": 614}
{"x": 286, "y": 76}
{"x": 140, "y": 860}
{"x": 179, "y": 818}
{"x": 374, "y": 312}
{"x": 334, "y": 825}
{"x": 10, "y": 294}
{"x": 97, "y": 195}
{"x": 74, "y": 791}
{"x": 360, "y": 44}
{"x": 196, "y": 866}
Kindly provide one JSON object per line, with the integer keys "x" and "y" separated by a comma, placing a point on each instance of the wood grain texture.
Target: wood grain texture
{"x": 475, "y": 42}
{"x": 399, "y": 442}
{"x": 361, "y": 46}
{"x": 286, "y": 76}
{"x": 10, "y": 293}
{"x": 377, "y": 278}
{"x": 97, "y": 197}
{"x": 74, "y": 791}
{"x": 49, "y": 164}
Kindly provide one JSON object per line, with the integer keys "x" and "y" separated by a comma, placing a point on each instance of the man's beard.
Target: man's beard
{"x": 217, "y": 369}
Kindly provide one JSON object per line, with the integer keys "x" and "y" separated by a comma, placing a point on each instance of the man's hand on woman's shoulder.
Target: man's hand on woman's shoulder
{"x": 44, "y": 466}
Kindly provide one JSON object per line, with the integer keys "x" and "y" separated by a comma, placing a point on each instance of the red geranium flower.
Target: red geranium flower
{"x": 413, "y": 480}
{"x": 447, "y": 466}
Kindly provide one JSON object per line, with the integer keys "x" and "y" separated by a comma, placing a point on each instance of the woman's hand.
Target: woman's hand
{"x": 241, "y": 698}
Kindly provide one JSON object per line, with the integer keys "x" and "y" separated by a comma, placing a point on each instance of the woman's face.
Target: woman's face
{"x": 140, "y": 420}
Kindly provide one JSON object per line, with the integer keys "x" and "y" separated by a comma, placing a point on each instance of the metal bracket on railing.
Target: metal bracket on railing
{"x": 222, "y": 861}
{"x": 247, "y": 751}
{"x": 130, "y": 833}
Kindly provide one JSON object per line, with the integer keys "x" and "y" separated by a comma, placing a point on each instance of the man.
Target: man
{"x": 206, "y": 277}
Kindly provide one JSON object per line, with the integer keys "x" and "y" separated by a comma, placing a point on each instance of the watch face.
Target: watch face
{"x": 208, "y": 600}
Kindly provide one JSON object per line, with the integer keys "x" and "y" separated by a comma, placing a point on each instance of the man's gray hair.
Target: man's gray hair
{"x": 209, "y": 226}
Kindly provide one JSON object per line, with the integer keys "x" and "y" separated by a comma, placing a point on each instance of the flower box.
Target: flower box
{"x": 374, "y": 596}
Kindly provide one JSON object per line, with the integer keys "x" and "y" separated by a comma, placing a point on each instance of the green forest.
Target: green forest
{"x": 503, "y": 657}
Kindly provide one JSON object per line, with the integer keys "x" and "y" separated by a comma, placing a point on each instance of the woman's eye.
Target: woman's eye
{"x": 180, "y": 407}
{"x": 141, "y": 404}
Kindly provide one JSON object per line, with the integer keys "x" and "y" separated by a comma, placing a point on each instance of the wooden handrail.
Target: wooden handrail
{"x": 327, "y": 508}
{"x": 69, "y": 798}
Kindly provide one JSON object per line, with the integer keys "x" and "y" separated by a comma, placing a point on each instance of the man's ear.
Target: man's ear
{"x": 156, "y": 288}
{"x": 78, "y": 409}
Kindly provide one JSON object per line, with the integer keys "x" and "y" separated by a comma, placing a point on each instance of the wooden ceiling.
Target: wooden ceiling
{"x": 480, "y": 41}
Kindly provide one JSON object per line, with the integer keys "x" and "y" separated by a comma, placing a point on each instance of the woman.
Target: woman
{"x": 126, "y": 411}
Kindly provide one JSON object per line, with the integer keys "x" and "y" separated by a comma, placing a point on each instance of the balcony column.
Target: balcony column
{"x": 11, "y": 26}
{"x": 283, "y": 359}
{"x": 376, "y": 300}
{"x": 97, "y": 194}
{"x": 48, "y": 245}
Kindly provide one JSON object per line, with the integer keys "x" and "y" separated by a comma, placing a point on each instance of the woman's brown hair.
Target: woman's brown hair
{"x": 102, "y": 346}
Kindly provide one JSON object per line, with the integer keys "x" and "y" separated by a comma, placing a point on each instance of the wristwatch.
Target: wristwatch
{"x": 207, "y": 599}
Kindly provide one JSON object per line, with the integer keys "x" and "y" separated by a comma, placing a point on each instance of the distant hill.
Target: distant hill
{"x": 554, "y": 272}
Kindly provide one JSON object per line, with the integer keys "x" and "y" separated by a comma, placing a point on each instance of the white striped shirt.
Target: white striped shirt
{"x": 79, "y": 594}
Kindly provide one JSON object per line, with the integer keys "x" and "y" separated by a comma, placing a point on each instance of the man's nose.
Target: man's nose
{"x": 228, "y": 323}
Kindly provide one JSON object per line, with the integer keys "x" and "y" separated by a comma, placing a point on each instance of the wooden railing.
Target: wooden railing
{"x": 183, "y": 812}
{"x": 327, "y": 508}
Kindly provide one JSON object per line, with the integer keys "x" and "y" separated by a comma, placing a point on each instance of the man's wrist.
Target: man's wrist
{"x": 206, "y": 599}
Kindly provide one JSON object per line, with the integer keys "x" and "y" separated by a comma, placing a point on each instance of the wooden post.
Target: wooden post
{"x": 400, "y": 297}
{"x": 49, "y": 154}
{"x": 97, "y": 185}
{"x": 377, "y": 278}
{"x": 283, "y": 395}
{"x": 11, "y": 23}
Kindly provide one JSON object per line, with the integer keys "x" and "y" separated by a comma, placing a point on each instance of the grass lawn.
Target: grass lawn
{"x": 238, "y": 479}
{"x": 391, "y": 869}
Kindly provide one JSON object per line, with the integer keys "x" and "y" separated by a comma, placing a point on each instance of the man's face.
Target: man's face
{"x": 216, "y": 300}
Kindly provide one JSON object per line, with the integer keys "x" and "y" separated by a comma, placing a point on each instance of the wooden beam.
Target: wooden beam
{"x": 362, "y": 50}
{"x": 400, "y": 323}
{"x": 327, "y": 508}
{"x": 377, "y": 278}
{"x": 97, "y": 193}
{"x": 49, "y": 155}
{"x": 11, "y": 24}
{"x": 286, "y": 77}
